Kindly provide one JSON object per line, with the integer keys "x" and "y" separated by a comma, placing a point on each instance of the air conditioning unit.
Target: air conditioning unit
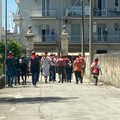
{"x": 67, "y": 21}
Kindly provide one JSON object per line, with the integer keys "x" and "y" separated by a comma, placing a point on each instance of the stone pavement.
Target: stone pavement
{"x": 60, "y": 101}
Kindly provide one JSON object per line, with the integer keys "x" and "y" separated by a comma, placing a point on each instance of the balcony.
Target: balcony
{"x": 39, "y": 13}
{"x": 73, "y": 13}
{"x": 48, "y": 39}
{"x": 110, "y": 12}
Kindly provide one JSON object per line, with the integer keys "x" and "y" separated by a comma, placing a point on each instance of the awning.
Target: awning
{"x": 42, "y": 53}
{"x": 70, "y": 53}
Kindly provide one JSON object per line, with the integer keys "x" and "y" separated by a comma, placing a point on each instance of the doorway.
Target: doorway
{"x": 102, "y": 6}
{"x": 100, "y": 31}
{"x": 45, "y": 7}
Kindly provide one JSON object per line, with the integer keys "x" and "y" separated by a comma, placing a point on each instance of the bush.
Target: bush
{"x": 1, "y": 69}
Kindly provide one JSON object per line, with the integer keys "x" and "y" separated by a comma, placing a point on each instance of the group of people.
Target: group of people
{"x": 47, "y": 66}
{"x": 16, "y": 67}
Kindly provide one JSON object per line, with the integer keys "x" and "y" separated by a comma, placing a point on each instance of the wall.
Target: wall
{"x": 110, "y": 65}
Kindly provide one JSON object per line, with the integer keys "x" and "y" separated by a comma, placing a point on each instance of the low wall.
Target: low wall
{"x": 2, "y": 81}
{"x": 110, "y": 66}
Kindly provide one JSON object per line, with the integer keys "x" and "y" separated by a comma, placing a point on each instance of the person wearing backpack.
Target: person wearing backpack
{"x": 61, "y": 68}
{"x": 17, "y": 70}
{"x": 95, "y": 69}
{"x": 69, "y": 68}
{"x": 24, "y": 69}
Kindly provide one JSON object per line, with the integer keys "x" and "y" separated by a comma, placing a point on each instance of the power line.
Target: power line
{"x": 70, "y": 10}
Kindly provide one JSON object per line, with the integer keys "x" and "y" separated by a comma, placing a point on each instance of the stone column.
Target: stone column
{"x": 30, "y": 42}
{"x": 64, "y": 42}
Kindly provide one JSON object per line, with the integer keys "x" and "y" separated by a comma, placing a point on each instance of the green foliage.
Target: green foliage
{"x": 15, "y": 47}
{"x": 12, "y": 45}
{"x": 2, "y": 47}
{"x": 1, "y": 69}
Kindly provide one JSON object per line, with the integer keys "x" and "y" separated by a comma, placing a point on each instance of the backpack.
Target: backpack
{"x": 68, "y": 64}
{"x": 95, "y": 70}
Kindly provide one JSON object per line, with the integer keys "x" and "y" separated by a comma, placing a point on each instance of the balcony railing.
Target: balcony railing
{"x": 110, "y": 12}
{"x": 78, "y": 38}
{"x": 46, "y": 38}
{"x": 42, "y": 13}
{"x": 113, "y": 12}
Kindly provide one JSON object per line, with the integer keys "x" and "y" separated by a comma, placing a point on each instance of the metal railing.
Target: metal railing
{"x": 78, "y": 38}
{"x": 42, "y": 13}
{"x": 46, "y": 38}
{"x": 110, "y": 12}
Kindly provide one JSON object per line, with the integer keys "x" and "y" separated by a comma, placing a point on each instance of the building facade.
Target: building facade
{"x": 0, "y": 19}
{"x": 47, "y": 18}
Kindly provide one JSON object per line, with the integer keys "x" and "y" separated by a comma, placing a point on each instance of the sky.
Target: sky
{"x": 11, "y": 8}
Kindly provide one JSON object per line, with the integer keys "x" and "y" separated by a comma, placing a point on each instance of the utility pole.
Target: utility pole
{"x": 83, "y": 31}
{"x": 91, "y": 35}
{"x": 5, "y": 38}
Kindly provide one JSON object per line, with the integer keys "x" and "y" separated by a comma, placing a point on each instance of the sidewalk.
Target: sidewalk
{"x": 60, "y": 101}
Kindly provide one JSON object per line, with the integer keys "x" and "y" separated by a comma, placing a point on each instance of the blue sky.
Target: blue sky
{"x": 11, "y": 8}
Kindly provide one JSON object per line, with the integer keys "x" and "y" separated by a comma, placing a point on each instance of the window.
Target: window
{"x": 116, "y": 26}
{"x": 116, "y": 2}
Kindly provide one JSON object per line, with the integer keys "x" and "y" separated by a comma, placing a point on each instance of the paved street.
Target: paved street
{"x": 60, "y": 101}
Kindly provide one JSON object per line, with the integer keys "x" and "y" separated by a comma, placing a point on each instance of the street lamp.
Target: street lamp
{"x": 91, "y": 35}
{"x": 83, "y": 37}
{"x": 5, "y": 38}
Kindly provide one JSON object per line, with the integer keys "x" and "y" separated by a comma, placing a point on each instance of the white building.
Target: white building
{"x": 46, "y": 15}
{"x": 0, "y": 19}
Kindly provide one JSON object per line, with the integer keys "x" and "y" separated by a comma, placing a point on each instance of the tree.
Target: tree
{"x": 15, "y": 47}
{"x": 12, "y": 45}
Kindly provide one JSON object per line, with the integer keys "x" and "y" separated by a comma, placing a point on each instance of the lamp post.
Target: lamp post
{"x": 5, "y": 38}
{"x": 91, "y": 35}
{"x": 83, "y": 34}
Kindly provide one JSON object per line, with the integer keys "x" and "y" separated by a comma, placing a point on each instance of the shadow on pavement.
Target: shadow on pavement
{"x": 11, "y": 100}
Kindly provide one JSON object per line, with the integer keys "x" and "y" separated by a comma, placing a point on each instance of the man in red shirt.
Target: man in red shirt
{"x": 61, "y": 68}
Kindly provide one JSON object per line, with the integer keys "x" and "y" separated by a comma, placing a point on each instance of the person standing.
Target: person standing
{"x": 10, "y": 64}
{"x": 17, "y": 70}
{"x": 69, "y": 68}
{"x": 105, "y": 33}
{"x": 61, "y": 68}
{"x": 34, "y": 67}
{"x": 77, "y": 67}
{"x": 52, "y": 35}
{"x": 45, "y": 62}
{"x": 24, "y": 69}
{"x": 83, "y": 66}
{"x": 95, "y": 68}
{"x": 52, "y": 68}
